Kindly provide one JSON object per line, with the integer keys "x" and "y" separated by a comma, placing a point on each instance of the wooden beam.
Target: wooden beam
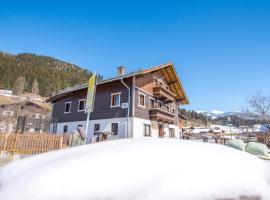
{"x": 172, "y": 82}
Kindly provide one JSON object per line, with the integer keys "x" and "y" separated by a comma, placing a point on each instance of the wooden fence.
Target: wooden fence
{"x": 29, "y": 143}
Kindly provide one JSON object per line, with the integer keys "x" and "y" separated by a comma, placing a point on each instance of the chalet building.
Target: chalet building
{"x": 12, "y": 110}
{"x": 139, "y": 104}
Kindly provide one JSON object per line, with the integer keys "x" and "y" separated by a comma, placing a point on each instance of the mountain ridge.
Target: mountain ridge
{"x": 51, "y": 73}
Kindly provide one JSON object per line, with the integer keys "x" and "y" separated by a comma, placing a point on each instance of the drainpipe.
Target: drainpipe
{"x": 128, "y": 104}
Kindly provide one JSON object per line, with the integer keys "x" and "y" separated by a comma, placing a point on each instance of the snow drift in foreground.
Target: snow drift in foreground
{"x": 138, "y": 169}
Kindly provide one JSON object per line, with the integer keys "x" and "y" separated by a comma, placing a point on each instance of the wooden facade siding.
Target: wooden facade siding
{"x": 102, "y": 106}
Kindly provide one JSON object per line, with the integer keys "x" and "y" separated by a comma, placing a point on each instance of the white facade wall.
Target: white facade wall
{"x": 136, "y": 127}
{"x": 105, "y": 125}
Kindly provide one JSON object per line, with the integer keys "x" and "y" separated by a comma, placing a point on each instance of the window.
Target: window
{"x": 173, "y": 110}
{"x": 147, "y": 130}
{"x": 79, "y": 126}
{"x": 152, "y": 103}
{"x": 114, "y": 128}
{"x": 115, "y": 100}
{"x": 67, "y": 107}
{"x": 159, "y": 104}
{"x": 96, "y": 128}
{"x": 167, "y": 108}
{"x": 81, "y": 106}
{"x": 141, "y": 100}
{"x": 171, "y": 132}
{"x": 65, "y": 129}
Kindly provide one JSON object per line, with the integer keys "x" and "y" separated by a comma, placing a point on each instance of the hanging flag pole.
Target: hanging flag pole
{"x": 90, "y": 100}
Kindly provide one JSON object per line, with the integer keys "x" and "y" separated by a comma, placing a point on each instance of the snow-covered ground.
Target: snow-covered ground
{"x": 137, "y": 169}
{"x": 226, "y": 129}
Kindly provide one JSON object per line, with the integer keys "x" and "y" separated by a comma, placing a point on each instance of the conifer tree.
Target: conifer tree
{"x": 35, "y": 89}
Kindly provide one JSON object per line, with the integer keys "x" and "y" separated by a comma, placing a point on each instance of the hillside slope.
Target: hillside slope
{"x": 52, "y": 74}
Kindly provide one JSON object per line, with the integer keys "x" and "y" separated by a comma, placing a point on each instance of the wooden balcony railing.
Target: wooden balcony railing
{"x": 163, "y": 93}
{"x": 161, "y": 115}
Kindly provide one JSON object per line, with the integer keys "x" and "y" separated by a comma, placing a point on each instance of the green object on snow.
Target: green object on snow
{"x": 257, "y": 149}
{"x": 237, "y": 144}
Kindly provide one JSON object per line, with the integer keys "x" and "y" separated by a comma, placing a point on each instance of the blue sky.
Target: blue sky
{"x": 221, "y": 49}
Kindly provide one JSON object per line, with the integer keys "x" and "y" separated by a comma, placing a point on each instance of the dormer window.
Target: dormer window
{"x": 67, "y": 107}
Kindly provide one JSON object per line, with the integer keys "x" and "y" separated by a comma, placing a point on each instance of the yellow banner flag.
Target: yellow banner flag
{"x": 91, "y": 94}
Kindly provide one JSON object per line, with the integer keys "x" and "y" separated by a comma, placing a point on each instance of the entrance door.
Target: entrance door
{"x": 160, "y": 130}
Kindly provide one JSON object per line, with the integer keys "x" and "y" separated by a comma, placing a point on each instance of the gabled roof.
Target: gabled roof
{"x": 167, "y": 69}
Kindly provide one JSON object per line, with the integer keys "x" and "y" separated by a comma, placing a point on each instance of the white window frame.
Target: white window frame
{"x": 140, "y": 100}
{"x": 117, "y": 127}
{"x": 69, "y": 102}
{"x": 79, "y": 105}
{"x": 151, "y": 98}
{"x": 167, "y": 106}
{"x": 162, "y": 104}
{"x": 150, "y": 131}
{"x": 117, "y": 93}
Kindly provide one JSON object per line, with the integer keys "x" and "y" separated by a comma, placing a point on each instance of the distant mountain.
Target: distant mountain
{"x": 218, "y": 114}
{"x": 52, "y": 74}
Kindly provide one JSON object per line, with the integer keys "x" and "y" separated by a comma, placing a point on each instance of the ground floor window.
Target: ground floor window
{"x": 114, "y": 128}
{"x": 171, "y": 132}
{"x": 65, "y": 129}
{"x": 147, "y": 130}
{"x": 79, "y": 126}
{"x": 96, "y": 128}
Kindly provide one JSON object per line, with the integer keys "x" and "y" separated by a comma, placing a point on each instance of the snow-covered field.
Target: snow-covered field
{"x": 138, "y": 169}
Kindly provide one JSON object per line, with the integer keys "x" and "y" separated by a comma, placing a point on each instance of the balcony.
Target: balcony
{"x": 163, "y": 93}
{"x": 161, "y": 115}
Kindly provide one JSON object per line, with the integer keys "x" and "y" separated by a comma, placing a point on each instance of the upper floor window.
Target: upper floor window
{"x": 173, "y": 110}
{"x": 141, "y": 100}
{"x": 115, "y": 99}
{"x": 159, "y": 104}
{"x": 67, "y": 107}
{"x": 152, "y": 103}
{"x": 81, "y": 106}
{"x": 167, "y": 108}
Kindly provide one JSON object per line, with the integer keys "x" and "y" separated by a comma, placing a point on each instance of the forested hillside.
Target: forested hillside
{"x": 49, "y": 74}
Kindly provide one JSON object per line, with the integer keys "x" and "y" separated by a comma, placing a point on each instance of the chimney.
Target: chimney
{"x": 120, "y": 71}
